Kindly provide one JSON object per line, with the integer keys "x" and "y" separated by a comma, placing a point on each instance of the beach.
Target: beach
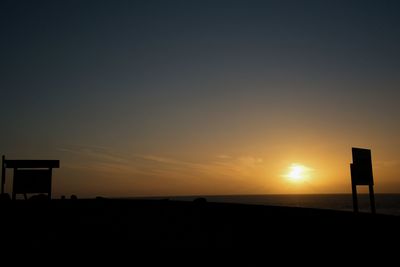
{"x": 114, "y": 225}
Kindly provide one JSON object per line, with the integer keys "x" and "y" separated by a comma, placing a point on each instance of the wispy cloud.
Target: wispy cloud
{"x": 223, "y": 156}
{"x": 387, "y": 164}
{"x": 97, "y": 152}
{"x": 107, "y": 160}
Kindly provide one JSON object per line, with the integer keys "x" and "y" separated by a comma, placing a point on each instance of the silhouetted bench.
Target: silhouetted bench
{"x": 30, "y": 176}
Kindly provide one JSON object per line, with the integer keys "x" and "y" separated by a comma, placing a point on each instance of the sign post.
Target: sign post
{"x": 3, "y": 174}
{"x": 361, "y": 174}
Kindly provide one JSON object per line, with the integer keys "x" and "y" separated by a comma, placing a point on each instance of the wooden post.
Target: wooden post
{"x": 51, "y": 174}
{"x": 3, "y": 174}
{"x": 355, "y": 200}
{"x": 14, "y": 195}
{"x": 372, "y": 198}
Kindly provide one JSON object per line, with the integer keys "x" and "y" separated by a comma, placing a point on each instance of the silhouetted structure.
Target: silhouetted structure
{"x": 361, "y": 174}
{"x": 30, "y": 176}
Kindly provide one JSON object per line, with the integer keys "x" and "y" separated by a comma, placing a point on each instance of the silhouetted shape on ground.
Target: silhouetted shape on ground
{"x": 200, "y": 200}
{"x": 74, "y": 197}
{"x": 39, "y": 197}
{"x": 5, "y": 197}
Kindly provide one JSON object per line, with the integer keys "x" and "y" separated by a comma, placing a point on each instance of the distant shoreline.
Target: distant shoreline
{"x": 386, "y": 203}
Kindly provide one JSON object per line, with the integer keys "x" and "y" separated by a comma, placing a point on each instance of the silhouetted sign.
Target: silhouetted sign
{"x": 361, "y": 174}
{"x": 30, "y": 176}
{"x": 31, "y": 164}
{"x": 361, "y": 168}
{"x": 32, "y": 181}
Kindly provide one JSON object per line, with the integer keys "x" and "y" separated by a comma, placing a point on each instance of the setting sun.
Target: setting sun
{"x": 298, "y": 173}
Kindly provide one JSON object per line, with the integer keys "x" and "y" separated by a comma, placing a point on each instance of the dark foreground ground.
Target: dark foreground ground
{"x": 115, "y": 225}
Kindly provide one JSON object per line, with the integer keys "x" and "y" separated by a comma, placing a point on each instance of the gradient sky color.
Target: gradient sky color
{"x": 201, "y": 97}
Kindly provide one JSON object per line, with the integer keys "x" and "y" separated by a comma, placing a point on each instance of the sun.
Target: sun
{"x": 298, "y": 173}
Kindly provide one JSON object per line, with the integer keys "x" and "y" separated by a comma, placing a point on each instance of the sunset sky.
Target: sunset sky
{"x": 140, "y": 98}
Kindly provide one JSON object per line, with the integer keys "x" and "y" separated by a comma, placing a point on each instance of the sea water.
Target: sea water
{"x": 385, "y": 203}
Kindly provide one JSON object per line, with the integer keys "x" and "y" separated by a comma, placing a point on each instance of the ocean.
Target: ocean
{"x": 385, "y": 203}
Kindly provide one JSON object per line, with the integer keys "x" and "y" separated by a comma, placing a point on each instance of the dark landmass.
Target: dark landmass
{"x": 115, "y": 225}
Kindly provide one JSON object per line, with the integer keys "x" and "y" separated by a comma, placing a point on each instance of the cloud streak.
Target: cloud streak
{"x": 106, "y": 160}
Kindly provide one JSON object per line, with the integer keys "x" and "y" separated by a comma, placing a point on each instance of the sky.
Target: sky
{"x": 155, "y": 97}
